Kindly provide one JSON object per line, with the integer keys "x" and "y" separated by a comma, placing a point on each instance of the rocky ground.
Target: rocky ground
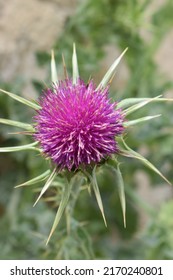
{"x": 29, "y": 26}
{"x": 26, "y": 27}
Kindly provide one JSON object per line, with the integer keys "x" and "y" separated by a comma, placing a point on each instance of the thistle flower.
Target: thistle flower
{"x": 77, "y": 124}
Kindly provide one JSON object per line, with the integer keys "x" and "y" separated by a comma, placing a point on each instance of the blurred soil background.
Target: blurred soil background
{"x": 28, "y": 29}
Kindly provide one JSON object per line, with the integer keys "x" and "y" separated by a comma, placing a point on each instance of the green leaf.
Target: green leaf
{"x": 20, "y": 148}
{"x": 130, "y": 153}
{"x": 144, "y": 119}
{"x": 18, "y": 124}
{"x": 22, "y": 100}
{"x": 76, "y": 188}
{"x": 47, "y": 185}
{"x": 120, "y": 183}
{"x": 93, "y": 181}
{"x": 35, "y": 180}
{"x": 75, "y": 65}
{"x": 65, "y": 68}
{"x": 61, "y": 208}
{"x": 110, "y": 72}
{"x": 97, "y": 194}
{"x": 54, "y": 74}
{"x": 114, "y": 167}
{"x": 132, "y": 101}
{"x": 140, "y": 105}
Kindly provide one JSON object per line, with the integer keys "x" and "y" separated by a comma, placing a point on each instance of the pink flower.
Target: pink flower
{"x": 77, "y": 124}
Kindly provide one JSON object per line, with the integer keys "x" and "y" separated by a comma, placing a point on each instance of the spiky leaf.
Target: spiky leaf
{"x": 144, "y": 119}
{"x": 140, "y": 105}
{"x": 35, "y": 180}
{"x": 18, "y": 124}
{"x": 61, "y": 208}
{"x": 125, "y": 103}
{"x": 114, "y": 167}
{"x": 97, "y": 194}
{"x": 110, "y": 72}
{"x": 120, "y": 184}
{"x": 20, "y": 148}
{"x": 75, "y": 65}
{"x": 130, "y": 153}
{"x": 21, "y": 100}
{"x": 47, "y": 185}
{"x": 54, "y": 75}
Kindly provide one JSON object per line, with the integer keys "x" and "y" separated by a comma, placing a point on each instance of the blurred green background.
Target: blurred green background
{"x": 101, "y": 29}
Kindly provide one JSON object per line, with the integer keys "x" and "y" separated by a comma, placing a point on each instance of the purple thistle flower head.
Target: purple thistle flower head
{"x": 77, "y": 124}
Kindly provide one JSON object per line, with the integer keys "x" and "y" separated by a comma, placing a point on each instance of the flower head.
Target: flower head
{"x": 77, "y": 124}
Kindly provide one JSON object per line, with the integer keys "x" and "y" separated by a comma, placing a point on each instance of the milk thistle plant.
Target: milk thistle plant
{"x": 77, "y": 128}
